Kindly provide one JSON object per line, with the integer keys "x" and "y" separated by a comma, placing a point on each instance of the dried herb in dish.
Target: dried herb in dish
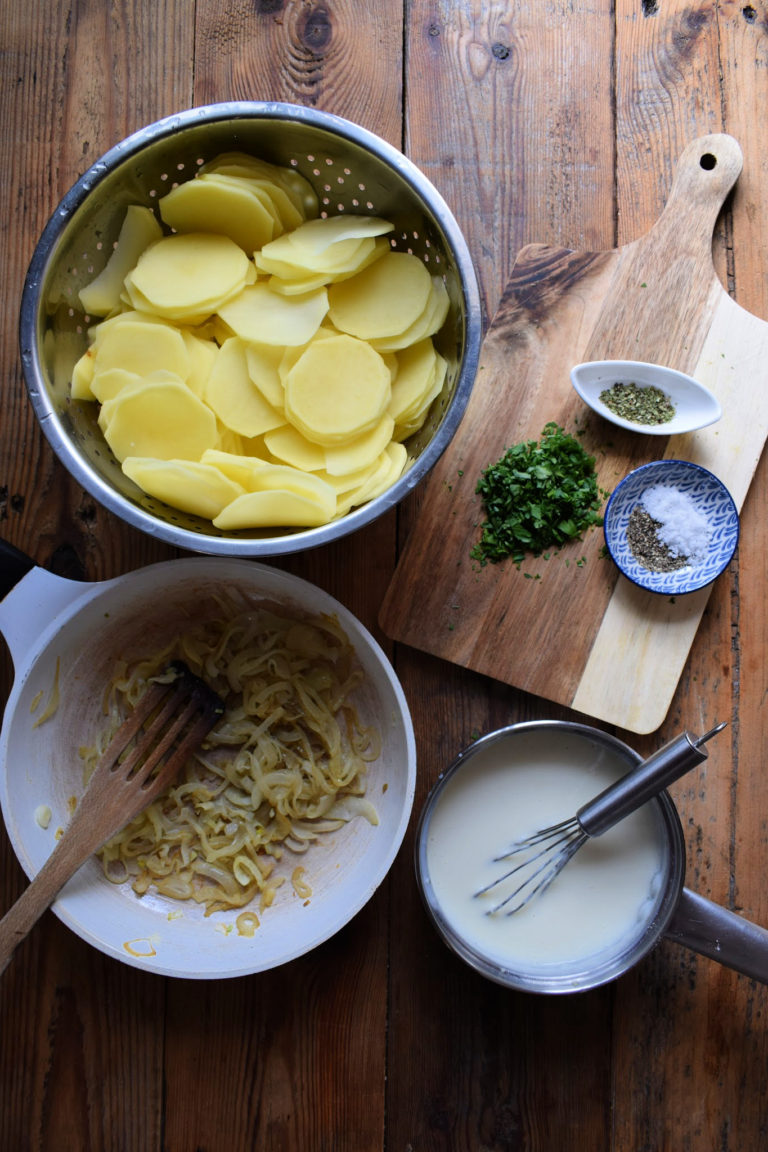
{"x": 640, "y": 405}
{"x": 539, "y": 495}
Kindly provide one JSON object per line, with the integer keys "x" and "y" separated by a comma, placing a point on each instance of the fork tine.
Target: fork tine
{"x": 185, "y": 707}
{"x": 126, "y": 733}
{"x": 178, "y": 741}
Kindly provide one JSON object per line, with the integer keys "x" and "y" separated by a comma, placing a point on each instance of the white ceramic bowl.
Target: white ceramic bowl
{"x": 85, "y": 627}
{"x": 695, "y": 406}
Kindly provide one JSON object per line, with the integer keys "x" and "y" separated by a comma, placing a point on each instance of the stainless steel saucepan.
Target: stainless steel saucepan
{"x": 673, "y": 912}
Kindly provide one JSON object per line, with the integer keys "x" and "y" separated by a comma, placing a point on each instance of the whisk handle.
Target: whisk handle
{"x": 641, "y": 783}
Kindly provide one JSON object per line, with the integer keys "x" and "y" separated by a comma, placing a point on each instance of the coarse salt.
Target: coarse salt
{"x": 683, "y": 527}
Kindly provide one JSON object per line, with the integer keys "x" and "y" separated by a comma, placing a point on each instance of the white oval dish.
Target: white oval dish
{"x": 695, "y": 406}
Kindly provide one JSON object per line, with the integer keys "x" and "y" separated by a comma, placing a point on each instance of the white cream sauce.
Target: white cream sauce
{"x": 509, "y": 789}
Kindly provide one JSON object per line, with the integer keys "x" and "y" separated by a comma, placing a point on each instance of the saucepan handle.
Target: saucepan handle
{"x": 713, "y": 931}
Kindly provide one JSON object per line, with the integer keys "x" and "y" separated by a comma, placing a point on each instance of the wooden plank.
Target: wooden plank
{"x": 504, "y": 111}
{"x": 344, "y": 58}
{"x": 320, "y": 1022}
{"x": 704, "y": 67}
{"x": 75, "y": 81}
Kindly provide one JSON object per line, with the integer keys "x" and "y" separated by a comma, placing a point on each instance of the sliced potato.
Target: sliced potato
{"x": 298, "y": 287}
{"x": 395, "y": 457}
{"x": 229, "y": 441}
{"x": 415, "y": 374}
{"x": 360, "y": 452}
{"x": 321, "y": 234}
{"x": 274, "y": 198}
{"x": 82, "y": 376}
{"x": 99, "y": 331}
{"x": 142, "y": 346}
{"x": 139, "y": 229}
{"x": 324, "y": 243}
{"x": 107, "y": 383}
{"x": 371, "y": 477}
{"x": 84, "y": 368}
{"x": 337, "y": 390}
{"x": 297, "y": 187}
{"x": 260, "y": 315}
{"x": 234, "y": 398}
{"x": 263, "y": 362}
{"x": 274, "y": 509}
{"x": 159, "y": 417}
{"x": 290, "y": 356}
{"x": 192, "y": 487}
{"x": 428, "y": 323}
{"x": 220, "y": 204}
{"x": 238, "y": 467}
{"x": 350, "y": 481}
{"x": 202, "y": 356}
{"x": 288, "y": 444}
{"x": 249, "y": 400}
{"x": 377, "y": 479}
{"x": 338, "y": 262}
{"x": 188, "y": 275}
{"x": 413, "y": 420}
{"x": 283, "y": 478}
{"x": 382, "y": 300}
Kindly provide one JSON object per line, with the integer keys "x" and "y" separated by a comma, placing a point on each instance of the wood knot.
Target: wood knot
{"x": 268, "y": 7}
{"x": 315, "y": 30}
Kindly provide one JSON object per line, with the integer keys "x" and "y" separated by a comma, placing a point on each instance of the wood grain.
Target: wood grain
{"x": 552, "y": 121}
{"x": 700, "y": 1018}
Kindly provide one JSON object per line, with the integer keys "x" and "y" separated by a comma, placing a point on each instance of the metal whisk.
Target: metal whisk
{"x": 539, "y": 859}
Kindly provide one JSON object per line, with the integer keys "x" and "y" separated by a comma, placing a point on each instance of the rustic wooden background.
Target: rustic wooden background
{"x": 538, "y": 120}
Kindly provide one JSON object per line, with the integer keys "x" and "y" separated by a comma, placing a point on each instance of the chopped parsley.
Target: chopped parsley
{"x": 539, "y": 495}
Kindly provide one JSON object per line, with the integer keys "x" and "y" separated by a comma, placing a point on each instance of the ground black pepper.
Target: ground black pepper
{"x": 640, "y": 405}
{"x": 648, "y": 550}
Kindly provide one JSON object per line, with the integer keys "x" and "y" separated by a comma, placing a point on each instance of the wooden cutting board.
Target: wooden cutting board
{"x": 571, "y": 628}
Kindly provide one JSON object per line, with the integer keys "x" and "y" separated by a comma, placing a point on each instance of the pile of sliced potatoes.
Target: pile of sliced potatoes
{"x": 257, "y": 364}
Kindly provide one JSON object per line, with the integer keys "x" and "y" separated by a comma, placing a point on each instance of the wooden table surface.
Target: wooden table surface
{"x": 556, "y": 121}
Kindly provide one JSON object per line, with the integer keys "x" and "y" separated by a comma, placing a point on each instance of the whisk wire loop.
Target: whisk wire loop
{"x": 542, "y": 855}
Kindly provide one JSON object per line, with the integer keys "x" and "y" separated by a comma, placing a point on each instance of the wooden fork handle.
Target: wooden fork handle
{"x": 68, "y": 855}
{"x": 184, "y": 716}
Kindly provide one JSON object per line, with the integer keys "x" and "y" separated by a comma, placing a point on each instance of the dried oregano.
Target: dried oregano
{"x": 639, "y": 405}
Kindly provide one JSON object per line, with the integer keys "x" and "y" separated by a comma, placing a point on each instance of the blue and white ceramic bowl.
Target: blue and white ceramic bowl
{"x": 711, "y": 498}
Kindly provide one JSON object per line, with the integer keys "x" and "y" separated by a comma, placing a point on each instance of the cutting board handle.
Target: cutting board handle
{"x": 664, "y": 288}
{"x": 706, "y": 172}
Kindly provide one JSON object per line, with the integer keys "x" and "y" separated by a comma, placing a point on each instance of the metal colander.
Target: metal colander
{"x": 351, "y": 170}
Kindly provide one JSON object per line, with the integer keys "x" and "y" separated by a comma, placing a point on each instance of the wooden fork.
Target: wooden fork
{"x": 143, "y": 758}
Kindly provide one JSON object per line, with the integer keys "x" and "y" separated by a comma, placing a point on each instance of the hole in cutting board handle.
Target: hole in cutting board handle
{"x": 708, "y": 161}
